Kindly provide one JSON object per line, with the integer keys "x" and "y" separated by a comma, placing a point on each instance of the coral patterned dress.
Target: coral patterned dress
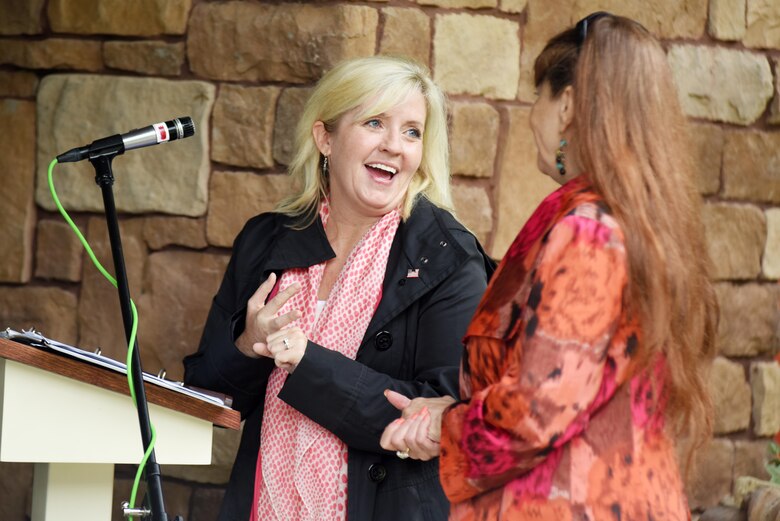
{"x": 554, "y": 424}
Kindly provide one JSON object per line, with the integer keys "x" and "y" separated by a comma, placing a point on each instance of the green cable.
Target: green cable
{"x": 133, "y": 330}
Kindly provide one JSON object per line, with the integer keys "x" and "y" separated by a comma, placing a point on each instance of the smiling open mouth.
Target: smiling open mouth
{"x": 381, "y": 170}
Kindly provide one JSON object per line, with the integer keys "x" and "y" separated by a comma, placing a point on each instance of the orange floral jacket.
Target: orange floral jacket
{"x": 554, "y": 424}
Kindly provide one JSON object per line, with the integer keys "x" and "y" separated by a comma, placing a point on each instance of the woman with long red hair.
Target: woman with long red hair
{"x": 588, "y": 353}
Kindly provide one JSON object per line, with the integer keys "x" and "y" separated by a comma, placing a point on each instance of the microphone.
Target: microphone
{"x": 172, "y": 130}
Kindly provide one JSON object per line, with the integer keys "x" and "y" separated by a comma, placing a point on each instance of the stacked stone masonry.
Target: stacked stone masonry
{"x": 242, "y": 69}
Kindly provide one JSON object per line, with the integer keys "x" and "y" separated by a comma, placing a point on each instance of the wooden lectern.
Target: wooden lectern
{"x": 75, "y": 421}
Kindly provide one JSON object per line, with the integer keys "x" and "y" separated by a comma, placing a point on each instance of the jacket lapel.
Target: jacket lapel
{"x": 299, "y": 248}
{"x": 423, "y": 246}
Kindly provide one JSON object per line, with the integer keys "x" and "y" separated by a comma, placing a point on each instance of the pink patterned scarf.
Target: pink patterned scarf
{"x": 302, "y": 467}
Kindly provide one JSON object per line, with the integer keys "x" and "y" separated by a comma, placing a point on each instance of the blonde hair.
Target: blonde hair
{"x": 376, "y": 84}
{"x": 631, "y": 141}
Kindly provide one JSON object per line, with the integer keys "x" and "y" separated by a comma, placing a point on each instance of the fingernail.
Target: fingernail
{"x": 385, "y": 392}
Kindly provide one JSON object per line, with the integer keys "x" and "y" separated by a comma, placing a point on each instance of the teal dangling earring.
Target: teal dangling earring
{"x": 560, "y": 157}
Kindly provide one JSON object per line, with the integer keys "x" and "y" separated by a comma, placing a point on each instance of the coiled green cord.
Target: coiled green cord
{"x": 133, "y": 330}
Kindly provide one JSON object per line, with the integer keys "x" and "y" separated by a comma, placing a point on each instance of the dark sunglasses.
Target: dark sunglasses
{"x": 583, "y": 25}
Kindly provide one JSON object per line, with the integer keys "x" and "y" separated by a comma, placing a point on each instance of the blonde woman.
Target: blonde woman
{"x": 359, "y": 282}
{"x": 587, "y": 353}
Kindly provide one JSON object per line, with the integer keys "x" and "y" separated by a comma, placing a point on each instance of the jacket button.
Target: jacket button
{"x": 377, "y": 472}
{"x": 424, "y": 260}
{"x": 443, "y": 244}
{"x": 383, "y": 340}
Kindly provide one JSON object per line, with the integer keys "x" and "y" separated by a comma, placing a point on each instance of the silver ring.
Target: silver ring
{"x": 286, "y": 343}
{"x": 402, "y": 454}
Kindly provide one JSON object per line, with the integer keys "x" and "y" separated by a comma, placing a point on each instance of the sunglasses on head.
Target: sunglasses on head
{"x": 583, "y": 25}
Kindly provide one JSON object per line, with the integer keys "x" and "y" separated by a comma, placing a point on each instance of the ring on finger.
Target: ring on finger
{"x": 286, "y": 343}
{"x": 402, "y": 454}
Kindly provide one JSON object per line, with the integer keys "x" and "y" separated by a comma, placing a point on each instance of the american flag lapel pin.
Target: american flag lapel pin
{"x": 413, "y": 274}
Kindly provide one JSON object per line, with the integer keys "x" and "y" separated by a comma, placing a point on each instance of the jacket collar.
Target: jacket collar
{"x": 296, "y": 248}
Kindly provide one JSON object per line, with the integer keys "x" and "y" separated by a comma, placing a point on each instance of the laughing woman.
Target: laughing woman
{"x": 359, "y": 282}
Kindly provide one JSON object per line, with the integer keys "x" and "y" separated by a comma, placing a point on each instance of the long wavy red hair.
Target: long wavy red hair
{"x": 631, "y": 140}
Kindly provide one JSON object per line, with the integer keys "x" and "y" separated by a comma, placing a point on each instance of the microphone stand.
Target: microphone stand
{"x": 101, "y": 154}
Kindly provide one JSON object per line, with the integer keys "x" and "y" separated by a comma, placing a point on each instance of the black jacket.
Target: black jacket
{"x": 412, "y": 345}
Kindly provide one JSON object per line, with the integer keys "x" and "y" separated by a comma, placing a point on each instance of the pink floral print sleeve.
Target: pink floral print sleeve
{"x": 554, "y": 423}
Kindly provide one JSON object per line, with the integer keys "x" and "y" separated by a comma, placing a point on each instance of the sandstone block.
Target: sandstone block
{"x": 750, "y": 458}
{"x": 735, "y": 236}
{"x": 242, "y": 134}
{"x": 17, "y": 213}
{"x": 765, "y": 381}
{"x": 52, "y": 53}
{"x": 58, "y": 252}
{"x": 477, "y": 54}
{"x": 473, "y": 208}
{"x": 407, "y": 32}
{"x": 774, "y": 109}
{"x": 21, "y": 17}
{"x": 152, "y": 58}
{"x": 160, "y": 232}
{"x": 771, "y": 261}
{"x": 707, "y": 147}
{"x": 137, "y": 18}
{"x": 99, "y": 316}
{"x": 721, "y": 84}
{"x": 237, "y": 196}
{"x": 281, "y": 42}
{"x": 751, "y": 163}
{"x": 520, "y": 185}
{"x": 711, "y": 477}
{"x": 171, "y": 178}
{"x": 748, "y": 319}
{"x": 474, "y": 139}
{"x": 684, "y": 19}
{"x": 18, "y": 84}
{"x": 173, "y": 310}
{"x": 763, "y": 24}
{"x": 288, "y": 112}
{"x": 727, "y": 20}
{"x": 730, "y": 395}
{"x": 52, "y": 311}
{"x": 223, "y": 452}
{"x": 512, "y": 6}
{"x": 545, "y": 18}
{"x": 460, "y": 4}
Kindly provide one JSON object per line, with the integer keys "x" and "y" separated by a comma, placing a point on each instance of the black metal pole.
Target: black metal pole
{"x": 104, "y": 177}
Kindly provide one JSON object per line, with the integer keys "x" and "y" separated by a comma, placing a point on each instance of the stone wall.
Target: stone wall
{"x": 72, "y": 71}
